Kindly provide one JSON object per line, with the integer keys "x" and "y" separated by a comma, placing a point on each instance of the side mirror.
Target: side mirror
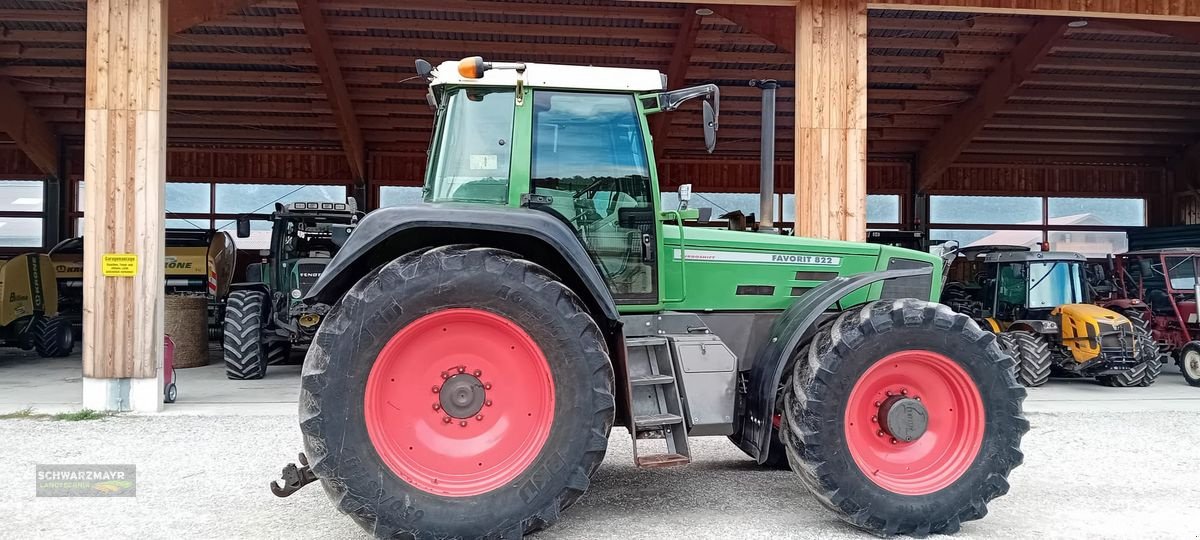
{"x": 685, "y": 195}
{"x": 424, "y": 69}
{"x": 1146, "y": 266}
{"x": 710, "y": 127}
{"x": 243, "y": 227}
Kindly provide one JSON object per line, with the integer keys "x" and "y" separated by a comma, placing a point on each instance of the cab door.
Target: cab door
{"x": 589, "y": 167}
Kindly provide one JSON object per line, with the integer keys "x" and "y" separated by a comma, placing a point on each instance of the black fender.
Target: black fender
{"x": 1035, "y": 326}
{"x": 790, "y": 332}
{"x": 251, "y": 286}
{"x": 390, "y": 232}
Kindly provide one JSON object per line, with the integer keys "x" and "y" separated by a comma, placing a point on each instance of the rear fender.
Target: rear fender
{"x": 1036, "y": 326}
{"x": 388, "y": 233}
{"x": 790, "y": 332}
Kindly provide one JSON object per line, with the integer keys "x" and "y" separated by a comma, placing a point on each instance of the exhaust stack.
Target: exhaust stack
{"x": 766, "y": 167}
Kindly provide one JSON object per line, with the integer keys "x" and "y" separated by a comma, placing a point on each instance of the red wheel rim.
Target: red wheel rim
{"x": 953, "y": 436}
{"x": 428, "y": 437}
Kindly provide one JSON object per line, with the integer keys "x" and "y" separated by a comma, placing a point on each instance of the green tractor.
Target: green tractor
{"x": 265, "y": 316}
{"x": 480, "y": 347}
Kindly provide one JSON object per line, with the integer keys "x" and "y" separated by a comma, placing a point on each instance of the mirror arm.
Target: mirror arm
{"x": 670, "y": 101}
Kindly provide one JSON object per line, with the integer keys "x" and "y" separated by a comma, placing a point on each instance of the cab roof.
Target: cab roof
{"x": 1032, "y": 256}
{"x": 1178, "y": 251}
{"x": 558, "y": 76}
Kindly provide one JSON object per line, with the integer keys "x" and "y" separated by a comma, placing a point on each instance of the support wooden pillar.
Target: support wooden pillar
{"x": 831, "y": 119}
{"x": 125, "y": 167}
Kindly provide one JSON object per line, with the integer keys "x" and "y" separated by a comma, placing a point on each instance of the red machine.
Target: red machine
{"x": 169, "y": 390}
{"x": 1165, "y": 280}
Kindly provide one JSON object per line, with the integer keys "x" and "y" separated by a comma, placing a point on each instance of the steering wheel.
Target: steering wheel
{"x": 595, "y": 184}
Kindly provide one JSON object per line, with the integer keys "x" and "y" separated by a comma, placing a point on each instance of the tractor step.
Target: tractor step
{"x": 657, "y": 420}
{"x": 655, "y": 402}
{"x": 651, "y": 379}
{"x": 655, "y": 461}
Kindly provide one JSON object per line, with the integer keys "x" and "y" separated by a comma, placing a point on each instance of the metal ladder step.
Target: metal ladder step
{"x": 645, "y": 380}
{"x": 645, "y": 341}
{"x": 657, "y": 420}
{"x": 661, "y": 460}
{"x": 655, "y": 402}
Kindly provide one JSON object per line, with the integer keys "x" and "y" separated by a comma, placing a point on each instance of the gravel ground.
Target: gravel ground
{"x": 1086, "y": 474}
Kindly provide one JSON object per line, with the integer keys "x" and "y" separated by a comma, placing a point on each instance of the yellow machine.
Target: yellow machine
{"x": 197, "y": 261}
{"x": 1039, "y": 305}
{"x": 29, "y": 316}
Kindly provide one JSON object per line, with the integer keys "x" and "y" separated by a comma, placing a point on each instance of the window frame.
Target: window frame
{"x": 1044, "y": 227}
{"x": 39, "y": 215}
{"x": 213, "y": 218}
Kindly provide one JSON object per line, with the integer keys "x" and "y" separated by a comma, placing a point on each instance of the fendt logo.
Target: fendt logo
{"x": 310, "y": 274}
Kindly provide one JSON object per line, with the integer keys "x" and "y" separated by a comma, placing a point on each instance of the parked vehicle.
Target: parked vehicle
{"x": 29, "y": 312}
{"x": 264, "y": 317}
{"x": 1165, "y": 281}
{"x": 479, "y": 348}
{"x": 1041, "y": 307}
{"x": 197, "y": 261}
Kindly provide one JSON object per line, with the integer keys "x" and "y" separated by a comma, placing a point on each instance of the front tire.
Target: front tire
{"x": 403, "y": 457}
{"x": 53, "y": 337}
{"x": 1032, "y": 352}
{"x": 893, "y": 352}
{"x": 1189, "y": 363}
{"x": 243, "y": 347}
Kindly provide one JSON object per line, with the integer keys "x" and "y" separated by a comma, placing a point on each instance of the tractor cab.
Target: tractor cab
{"x": 1030, "y": 285}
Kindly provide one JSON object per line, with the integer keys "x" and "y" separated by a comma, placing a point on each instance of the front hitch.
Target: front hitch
{"x": 294, "y": 478}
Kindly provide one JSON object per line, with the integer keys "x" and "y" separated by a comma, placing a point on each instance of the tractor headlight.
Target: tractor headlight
{"x": 296, "y": 294}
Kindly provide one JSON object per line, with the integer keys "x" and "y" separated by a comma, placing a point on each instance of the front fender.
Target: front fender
{"x": 795, "y": 327}
{"x": 390, "y": 232}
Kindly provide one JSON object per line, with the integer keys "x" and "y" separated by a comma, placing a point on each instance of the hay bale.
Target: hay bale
{"x": 187, "y": 324}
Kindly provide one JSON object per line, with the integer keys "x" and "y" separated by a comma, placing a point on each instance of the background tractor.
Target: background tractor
{"x": 1165, "y": 281}
{"x": 481, "y": 346}
{"x": 29, "y": 316}
{"x": 264, "y": 317}
{"x": 1041, "y": 306}
{"x": 197, "y": 262}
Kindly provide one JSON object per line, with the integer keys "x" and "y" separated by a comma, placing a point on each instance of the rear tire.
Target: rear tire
{"x": 244, "y": 350}
{"x": 1189, "y": 363}
{"x": 1032, "y": 353}
{"x": 53, "y": 337}
{"x": 944, "y": 356}
{"x": 356, "y": 403}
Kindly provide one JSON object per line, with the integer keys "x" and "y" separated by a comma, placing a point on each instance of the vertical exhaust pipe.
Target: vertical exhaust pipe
{"x": 766, "y": 164}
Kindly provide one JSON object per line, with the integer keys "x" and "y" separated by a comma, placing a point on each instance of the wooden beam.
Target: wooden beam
{"x": 954, "y": 137}
{"x": 184, "y": 14}
{"x": 1181, "y": 10}
{"x": 1179, "y": 30}
{"x": 124, "y": 163}
{"x": 681, "y": 58}
{"x": 31, "y": 134}
{"x": 335, "y": 87}
{"x": 775, "y": 24}
{"x": 831, "y": 119}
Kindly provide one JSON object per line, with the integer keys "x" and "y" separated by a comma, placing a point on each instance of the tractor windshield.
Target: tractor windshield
{"x": 1182, "y": 271}
{"x": 474, "y": 147}
{"x": 1053, "y": 284}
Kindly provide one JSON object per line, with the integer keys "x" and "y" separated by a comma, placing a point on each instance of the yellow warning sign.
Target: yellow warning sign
{"x": 119, "y": 265}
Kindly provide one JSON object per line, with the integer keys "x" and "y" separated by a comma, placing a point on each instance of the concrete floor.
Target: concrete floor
{"x": 1100, "y": 463}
